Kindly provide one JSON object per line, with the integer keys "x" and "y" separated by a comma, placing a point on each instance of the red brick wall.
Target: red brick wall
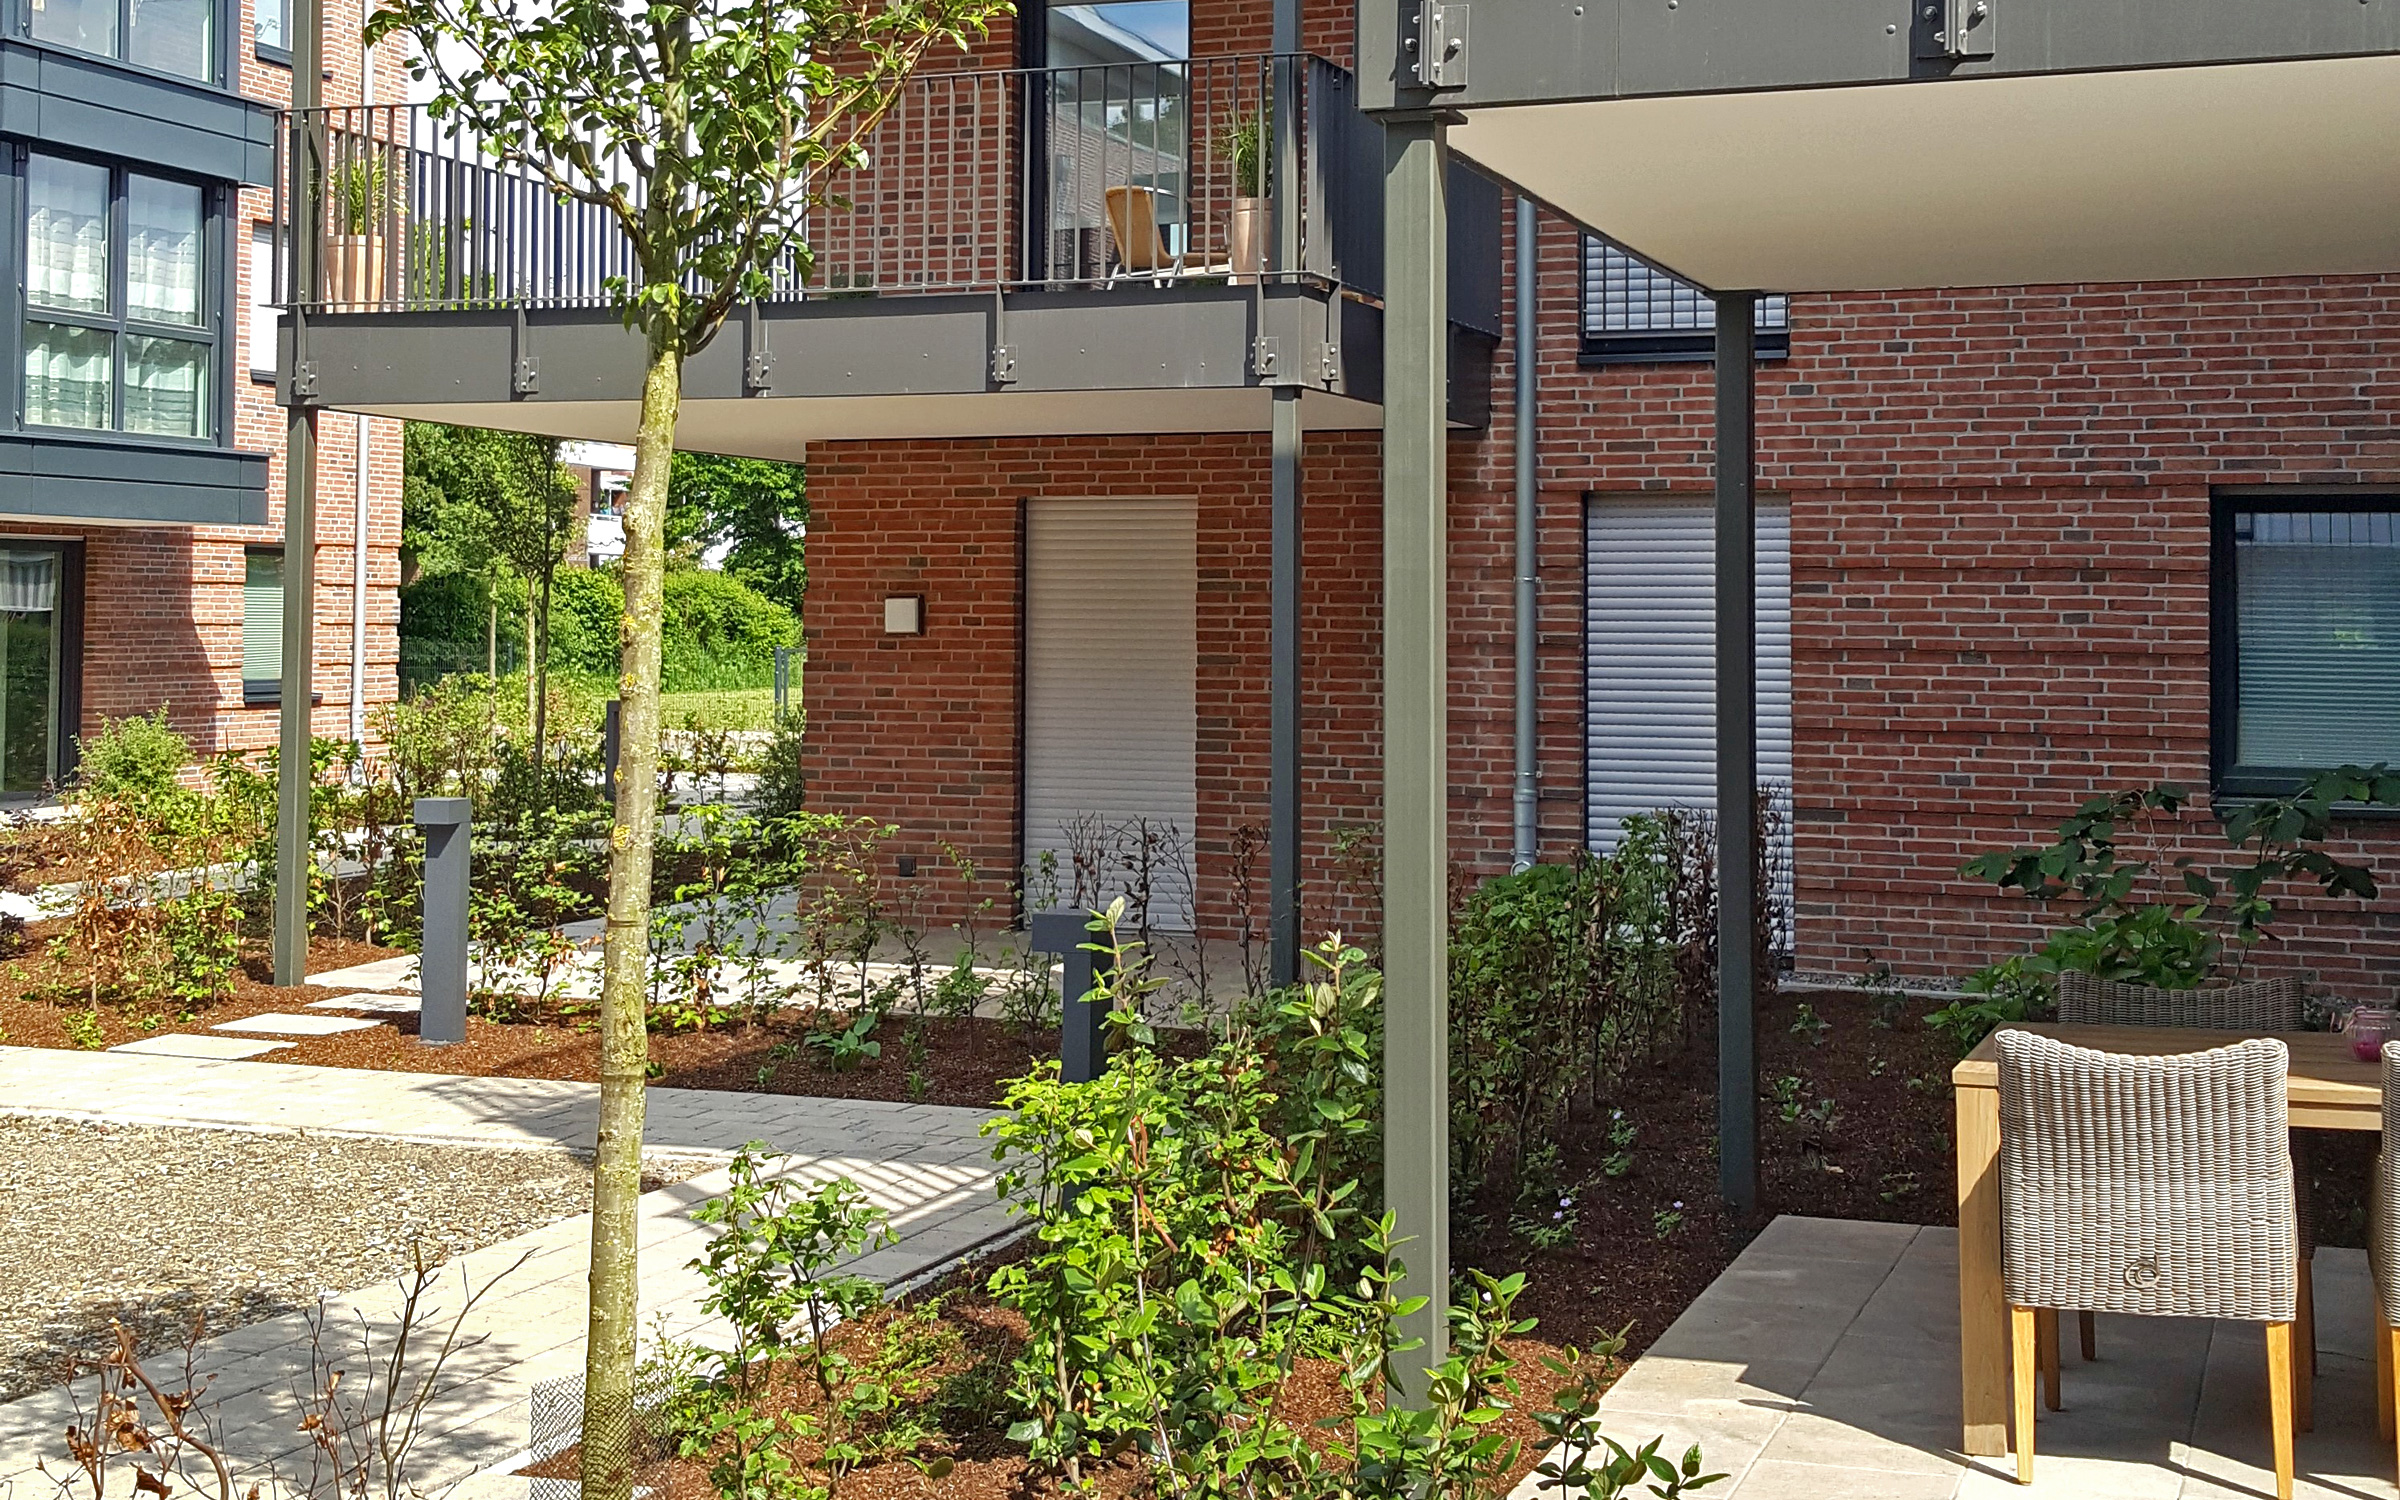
{"x": 2000, "y": 510}
{"x": 921, "y": 730}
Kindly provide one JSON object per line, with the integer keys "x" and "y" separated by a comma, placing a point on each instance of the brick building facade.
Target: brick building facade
{"x": 2001, "y": 590}
{"x": 164, "y": 612}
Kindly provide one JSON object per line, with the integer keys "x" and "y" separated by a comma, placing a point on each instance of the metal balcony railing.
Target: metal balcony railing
{"x": 1245, "y": 170}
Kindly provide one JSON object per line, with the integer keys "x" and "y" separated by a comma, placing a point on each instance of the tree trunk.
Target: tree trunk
{"x": 541, "y": 680}
{"x": 529, "y": 669}
{"x": 624, "y": 1039}
{"x": 491, "y": 631}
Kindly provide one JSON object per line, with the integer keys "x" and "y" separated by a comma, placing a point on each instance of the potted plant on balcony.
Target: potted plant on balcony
{"x": 358, "y": 200}
{"x": 1244, "y": 146}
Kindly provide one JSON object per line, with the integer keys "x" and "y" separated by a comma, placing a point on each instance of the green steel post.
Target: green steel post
{"x": 1416, "y": 854}
{"x": 292, "y": 853}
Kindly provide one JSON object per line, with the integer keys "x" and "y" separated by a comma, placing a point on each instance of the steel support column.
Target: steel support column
{"x": 1283, "y": 714}
{"x": 1526, "y": 805}
{"x": 1416, "y": 850}
{"x": 1737, "y": 750}
{"x": 292, "y": 852}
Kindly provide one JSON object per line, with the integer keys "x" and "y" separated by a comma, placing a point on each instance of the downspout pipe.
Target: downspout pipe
{"x": 1525, "y": 845}
{"x": 358, "y": 513}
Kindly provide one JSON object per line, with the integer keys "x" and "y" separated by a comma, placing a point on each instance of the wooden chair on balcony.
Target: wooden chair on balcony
{"x": 1141, "y": 249}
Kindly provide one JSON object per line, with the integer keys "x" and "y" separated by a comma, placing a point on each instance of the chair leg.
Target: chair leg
{"x": 2045, "y": 1342}
{"x": 2279, "y": 1403}
{"x": 2304, "y": 1331}
{"x": 2020, "y": 1364}
{"x": 2084, "y": 1323}
{"x": 2384, "y": 1339}
{"x": 2387, "y": 1345}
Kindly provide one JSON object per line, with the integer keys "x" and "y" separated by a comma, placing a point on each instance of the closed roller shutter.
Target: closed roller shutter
{"x": 1650, "y": 658}
{"x": 1111, "y": 665}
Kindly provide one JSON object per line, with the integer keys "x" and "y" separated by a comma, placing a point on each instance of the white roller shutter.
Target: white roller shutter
{"x": 1649, "y": 659}
{"x": 1111, "y": 666}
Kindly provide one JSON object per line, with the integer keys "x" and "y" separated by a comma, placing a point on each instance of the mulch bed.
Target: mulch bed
{"x": 967, "y": 1455}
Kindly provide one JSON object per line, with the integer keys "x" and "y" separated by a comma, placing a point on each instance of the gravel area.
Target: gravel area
{"x": 157, "y": 1226}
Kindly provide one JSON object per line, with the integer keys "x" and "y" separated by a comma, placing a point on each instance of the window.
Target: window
{"x": 262, "y": 625}
{"x": 1634, "y": 311}
{"x": 269, "y": 26}
{"x": 265, "y": 320}
{"x": 116, "y": 318}
{"x": 2307, "y": 630}
{"x": 169, "y": 36}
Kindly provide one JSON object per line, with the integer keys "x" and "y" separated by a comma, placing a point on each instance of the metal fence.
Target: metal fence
{"x": 1240, "y": 169}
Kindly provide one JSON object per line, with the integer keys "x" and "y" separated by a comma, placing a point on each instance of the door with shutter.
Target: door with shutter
{"x": 1650, "y": 657}
{"x": 1111, "y": 728}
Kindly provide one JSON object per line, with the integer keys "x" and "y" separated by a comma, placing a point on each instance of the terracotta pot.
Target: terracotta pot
{"x": 1246, "y": 236}
{"x": 353, "y": 271}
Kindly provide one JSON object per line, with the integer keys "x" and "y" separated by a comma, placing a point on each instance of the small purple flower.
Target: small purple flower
{"x": 1679, "y": 1203}
{"x": 1565, "y": 1202}
{"x": 1554, "y": 1218}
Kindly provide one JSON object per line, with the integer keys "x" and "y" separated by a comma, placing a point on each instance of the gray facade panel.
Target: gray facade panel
{"x": 131, "y": 483}
{"x": 90, "y": 103}
{"x": 1554, "y": 50}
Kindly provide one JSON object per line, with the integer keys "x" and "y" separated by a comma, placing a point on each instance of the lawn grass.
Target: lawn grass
{"x": 731, "y": 708}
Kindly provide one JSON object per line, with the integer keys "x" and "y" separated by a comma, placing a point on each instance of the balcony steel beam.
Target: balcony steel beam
{"x": 294, "y": 854}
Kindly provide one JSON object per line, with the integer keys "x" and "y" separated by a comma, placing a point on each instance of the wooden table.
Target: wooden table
{"x": 2328, "y": 1088}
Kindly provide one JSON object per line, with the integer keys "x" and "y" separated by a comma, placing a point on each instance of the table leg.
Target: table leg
{"x": 1983, "y": 1329}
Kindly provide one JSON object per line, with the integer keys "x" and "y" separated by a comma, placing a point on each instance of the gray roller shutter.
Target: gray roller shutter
{"x": 1111, "y": 665}
{"x": 1649, "y": 660}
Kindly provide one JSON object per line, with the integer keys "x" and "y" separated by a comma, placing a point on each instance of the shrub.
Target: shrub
{"x": 136, "y": 761}
{"x": 782, "y": 783}
{"x": 721, "y": 633}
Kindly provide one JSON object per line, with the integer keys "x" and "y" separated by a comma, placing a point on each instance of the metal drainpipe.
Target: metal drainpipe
{"x": 358, "y": 514}
{"x": 1525, "y": 847}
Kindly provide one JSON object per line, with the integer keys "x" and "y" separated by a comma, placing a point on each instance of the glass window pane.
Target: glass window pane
{"x": 262, "y": 616}
{"x": 68, "y": 375}
{"x": 90, "y": 25}
{"x": 2317, "y": 601}
{"x": 266, "y": 24}
{"x": 162, "y": 250}
{"x": 66, "y": 234}
{"x": 1624, "y": 294}
{"x": 173, "y": 37}
{"x": 28, "y": 694}
{"x": 166, "y": 386}
{"x": 264, "y": 319}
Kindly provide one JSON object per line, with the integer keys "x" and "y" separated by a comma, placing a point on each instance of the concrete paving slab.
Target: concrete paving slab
{"x": 288, "y": 1023}
{"x": 396, "y": 1004}
{"x": 399, "y": 972}
{"x": 203, "y": 1047}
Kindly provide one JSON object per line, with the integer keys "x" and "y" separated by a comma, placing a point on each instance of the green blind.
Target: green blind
{"x": 262, "y": 617}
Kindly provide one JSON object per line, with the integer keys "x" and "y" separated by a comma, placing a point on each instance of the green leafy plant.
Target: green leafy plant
{"x": 137, "y": 762}
{"x": 2002, "y": 994}
{"x": 1622, "y": 1134}
{"x": 846, "y": 1048}
{"x": 1246, "y": 145}
{"x": 1667, "y": 1222}
{"x": 1587, "y": 1465}
{"x": 83, "y": 1029}
{"x": 360, "y": 194}
{"x": 1809, "y": 1026}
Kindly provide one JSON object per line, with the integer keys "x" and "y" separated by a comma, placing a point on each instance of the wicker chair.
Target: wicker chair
{"x": 2265, "y": 1005}
{"x": 2152, "y": 1186}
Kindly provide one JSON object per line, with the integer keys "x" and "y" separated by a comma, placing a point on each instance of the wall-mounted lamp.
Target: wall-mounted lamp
{"x": 904, "y": 614}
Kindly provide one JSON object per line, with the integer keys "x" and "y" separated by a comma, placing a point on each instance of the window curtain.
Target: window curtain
{"x": 67, "y": 375}
{"x": 28, "y": 581}
{"x": 166, "y": 387}
{"x": 162, "y": 251}
{"x": 66, "y": 234}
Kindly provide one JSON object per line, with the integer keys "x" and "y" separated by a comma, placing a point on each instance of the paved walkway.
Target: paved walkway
{"x": 925, "y": 1164}
{"x": 1824, "y": 1364}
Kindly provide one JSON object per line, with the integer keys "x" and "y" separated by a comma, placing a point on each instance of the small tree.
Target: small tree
{"x": 535, "y": 516}
{"x": 708, "y": 130}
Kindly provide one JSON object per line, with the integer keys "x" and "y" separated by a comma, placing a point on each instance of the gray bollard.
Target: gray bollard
{"x": 612, "y": 743}
{"x": 1082, "y": 1032}
{"x": 442, "y": 956}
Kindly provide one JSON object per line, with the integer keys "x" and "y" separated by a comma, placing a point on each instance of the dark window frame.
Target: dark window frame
{"x": 2227, "y": 776}
{"x": 269, "y": 52}
{"x": 1656, "y": 346}
{"x": 260, "y": 692}
{"x": 215, "y": 283}
{"x": 225, "y": 21}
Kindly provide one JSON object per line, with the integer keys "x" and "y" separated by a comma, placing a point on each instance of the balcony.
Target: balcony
{"x": 1126, "y": 248}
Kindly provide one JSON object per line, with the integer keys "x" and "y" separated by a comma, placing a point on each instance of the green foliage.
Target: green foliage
{"x": 83, "y": 1029}
{"x": 2138, "y": 915}
{"x": 135, "y": 761}
{"x": 1586, "y": 1465}
{"x": 720, "y": 632}
{"x": 782, "y": 786}
{"x": 756, "y": 509}
{"x": 2001, "y": 994}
